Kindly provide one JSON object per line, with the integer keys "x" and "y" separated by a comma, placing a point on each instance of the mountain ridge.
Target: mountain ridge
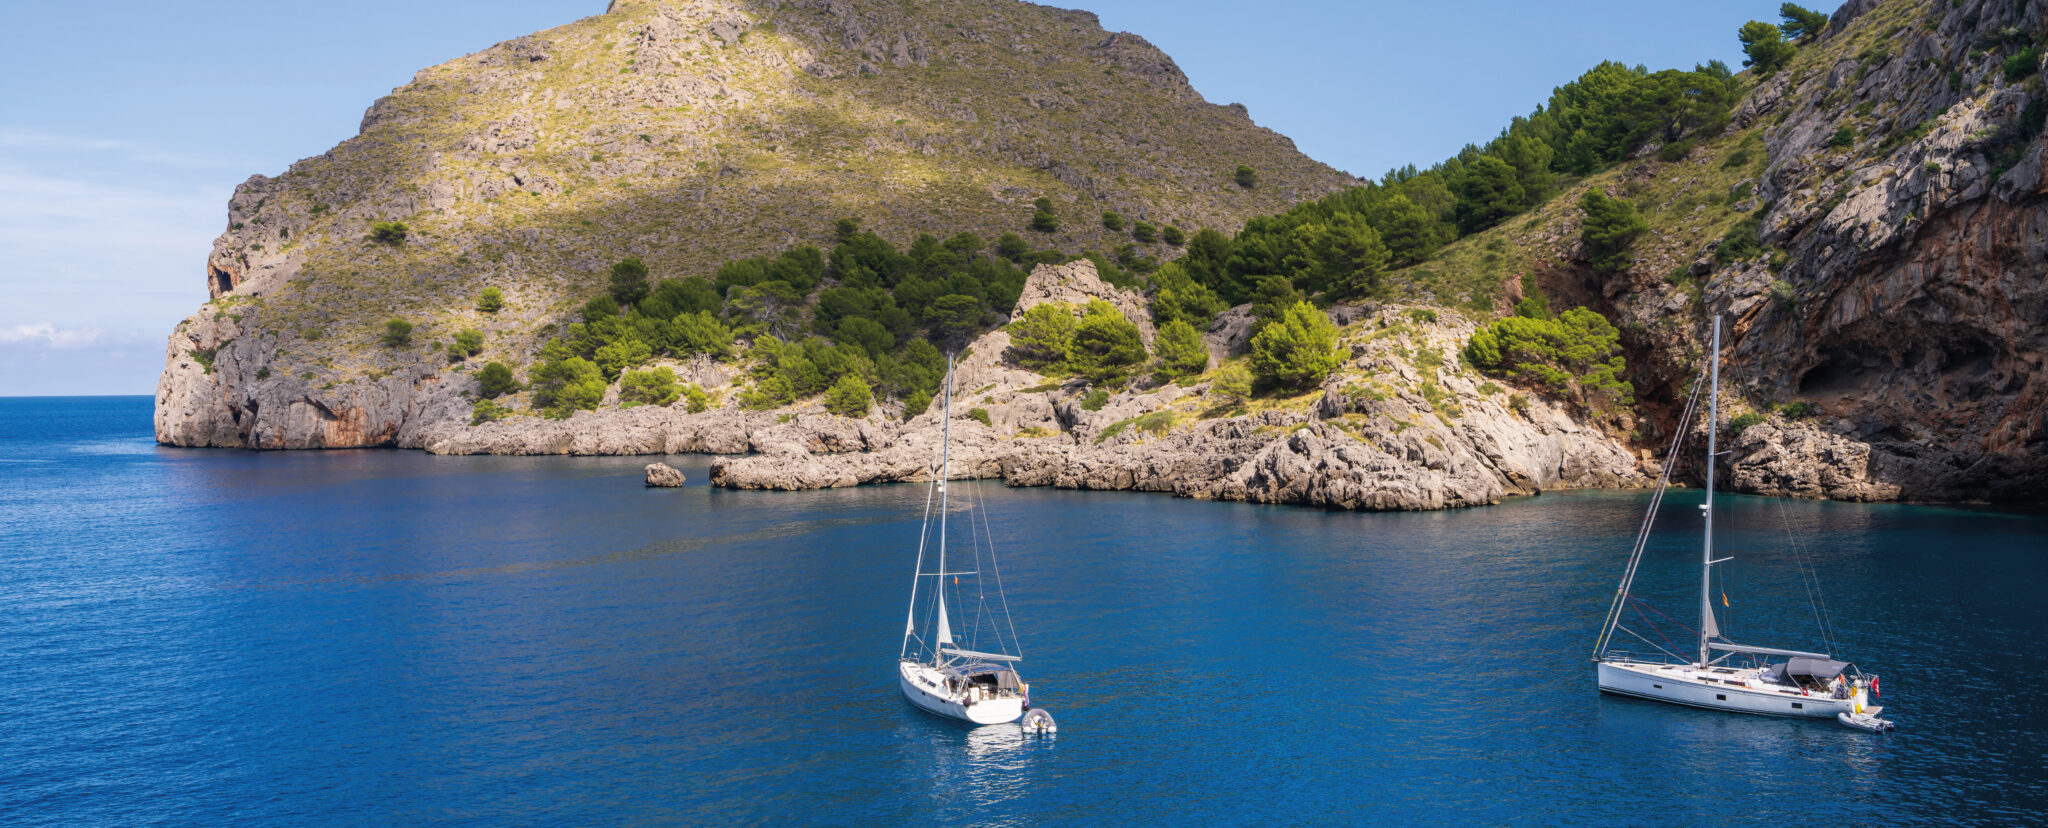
{"x": 687, "y": 133}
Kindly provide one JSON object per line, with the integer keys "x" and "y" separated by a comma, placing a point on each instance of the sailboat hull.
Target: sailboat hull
{"x": 923, "y": 687}
{"x": 1731, "y": 690}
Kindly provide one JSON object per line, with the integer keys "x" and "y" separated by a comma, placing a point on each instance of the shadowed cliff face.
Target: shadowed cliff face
{"x": 688, "y": 133}
{"x": 1918, "y": 319}
{"x": 1899, "y": 294}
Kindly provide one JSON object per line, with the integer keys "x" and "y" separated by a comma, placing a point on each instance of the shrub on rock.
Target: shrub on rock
{"x": 397, "y": 333}
{"x": 1298, "y": 350}
{"x": 656, "y": 386}
{"x": 468, "y": 343}
{"x": 564, "y": 386}
{"x": 389, "y": 232}
{"x": 849, "y": 397}
{"x": 1577, "y": 355}
{"x": 1106, "y": 345}
{"x": 1181, "y": 351}
{"x": 486, "y": 411}
{"x": 495, "y": 380}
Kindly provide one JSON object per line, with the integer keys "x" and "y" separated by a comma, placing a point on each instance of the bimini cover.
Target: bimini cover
{"x": 1818, "y": 669}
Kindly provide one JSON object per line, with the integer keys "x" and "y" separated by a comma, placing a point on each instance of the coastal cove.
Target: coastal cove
{"x": 195, "y": 636}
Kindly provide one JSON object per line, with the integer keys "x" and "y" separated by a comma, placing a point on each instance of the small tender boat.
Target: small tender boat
{"x": 1805, "y": 684}
{"x": 1039, "y": 723}
{"x": 1866, "y": 721}
{"x": 934, "y": 670}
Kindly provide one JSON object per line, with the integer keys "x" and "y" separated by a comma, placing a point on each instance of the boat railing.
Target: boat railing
{"x": 1617, "y": 654}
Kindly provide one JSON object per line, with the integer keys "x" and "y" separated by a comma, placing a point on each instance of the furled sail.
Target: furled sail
{"x": 945, "y": 630}
{"x": 1709, "y": 628}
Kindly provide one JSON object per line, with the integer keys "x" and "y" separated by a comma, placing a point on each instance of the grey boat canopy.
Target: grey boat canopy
{"x": 1821, "y": 670}
{"x": 1815, "y": 668}
{"x": 1768, "y": 651}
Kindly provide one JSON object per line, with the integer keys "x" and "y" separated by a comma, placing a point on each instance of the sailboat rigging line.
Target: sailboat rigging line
{"x": 1652, "y": 644}
{"x": 945, "y": 636}
{"x": 1635, "y": 557}
{"x": 1653, "y": 628}
{"x": 1809, "y": 578}
{"x": 1002, "y": 597}
{"x": 1640, "y": 606}
{"x": 916, "y": 572}
{"x": 1645, "y": 605}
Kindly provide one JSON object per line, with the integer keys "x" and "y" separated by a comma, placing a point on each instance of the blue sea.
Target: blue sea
{"x": 207, "y": 637}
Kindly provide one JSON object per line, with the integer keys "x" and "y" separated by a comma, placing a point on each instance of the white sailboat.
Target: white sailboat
{"x": 944, "y": 673}
{"x": 1806, "y": 684}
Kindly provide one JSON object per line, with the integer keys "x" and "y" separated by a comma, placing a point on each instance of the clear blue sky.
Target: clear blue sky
{"x": 127, "y": 125}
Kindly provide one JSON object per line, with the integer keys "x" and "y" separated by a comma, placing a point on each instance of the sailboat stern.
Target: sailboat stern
{"x": 933, "y": 690}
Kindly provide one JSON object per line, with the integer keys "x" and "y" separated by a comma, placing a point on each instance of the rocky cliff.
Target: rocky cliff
{"x": 1873, "y": 226}
{"x": 1917, "y": 316}
{"x": 688, "y": 133}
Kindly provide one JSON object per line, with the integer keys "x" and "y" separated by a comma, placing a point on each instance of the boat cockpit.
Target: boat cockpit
{"x": 978, "y": 682}
{"x": 1818, "y": 676}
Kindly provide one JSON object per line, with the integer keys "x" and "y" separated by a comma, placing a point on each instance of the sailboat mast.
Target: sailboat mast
{"x": 945, "y": 474}
{"x": 1707, "y": 626}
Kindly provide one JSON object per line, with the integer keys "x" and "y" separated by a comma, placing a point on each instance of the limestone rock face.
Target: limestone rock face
{"x": 663, "y": 475}
{"x": 1231, "y": 334}
{"x": 1792, "y": 459}
{"x": 1077, "y": 283}
{"x": 688, "y": 133}
{"x": 658, "y": 430}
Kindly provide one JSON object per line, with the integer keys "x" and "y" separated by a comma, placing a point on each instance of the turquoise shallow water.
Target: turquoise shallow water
{"x": 200, "y": 637}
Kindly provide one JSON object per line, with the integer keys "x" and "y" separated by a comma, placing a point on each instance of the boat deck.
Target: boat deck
{"x": 1719, "y": 688}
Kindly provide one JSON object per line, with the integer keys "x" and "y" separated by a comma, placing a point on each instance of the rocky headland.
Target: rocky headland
{"x": 1872, "y": 223}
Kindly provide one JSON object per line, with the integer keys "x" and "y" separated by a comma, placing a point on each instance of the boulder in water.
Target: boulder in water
{"x": 664, "y": 475}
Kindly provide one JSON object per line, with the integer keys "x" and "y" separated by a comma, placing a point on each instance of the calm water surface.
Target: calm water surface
{"x": 202, "y": 637}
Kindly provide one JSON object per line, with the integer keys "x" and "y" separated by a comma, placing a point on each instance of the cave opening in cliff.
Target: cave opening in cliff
{"x": 1840, "y": 370}
{"x": 222, "y": 282}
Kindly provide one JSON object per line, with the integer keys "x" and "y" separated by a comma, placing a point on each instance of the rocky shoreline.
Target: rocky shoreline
{"x": 1368, "y": 439}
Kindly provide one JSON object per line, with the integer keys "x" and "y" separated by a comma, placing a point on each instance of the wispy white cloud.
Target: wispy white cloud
{"x": 76, "y": 251}
{"x": 50, "y": 335}
{"x": 102, "y": 249}
{"x": 18, "y": 140}
{"x": 42, "y": 359}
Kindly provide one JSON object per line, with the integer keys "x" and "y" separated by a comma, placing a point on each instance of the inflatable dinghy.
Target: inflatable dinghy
{"x": 1865, "y": 721}
{"x": 1037, "y": 721}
